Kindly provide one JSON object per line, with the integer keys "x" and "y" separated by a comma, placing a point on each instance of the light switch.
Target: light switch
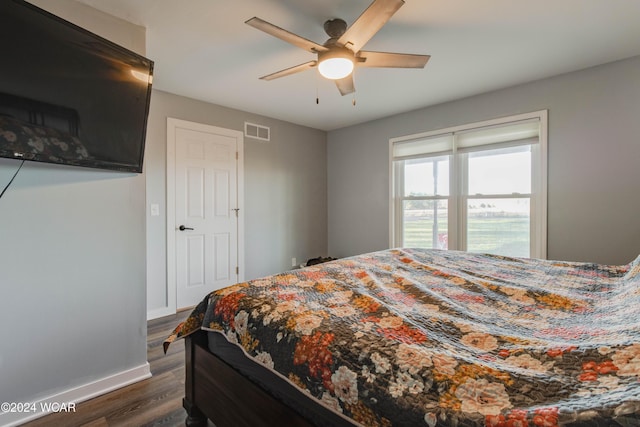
{"x": 155, "y": 209}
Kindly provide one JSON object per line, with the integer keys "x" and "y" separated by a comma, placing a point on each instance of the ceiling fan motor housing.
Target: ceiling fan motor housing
{"x": 336, "y": 52}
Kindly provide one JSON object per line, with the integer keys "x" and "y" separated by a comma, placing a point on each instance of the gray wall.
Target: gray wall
{"x": 72, "y": 262}
{"x": 593, "y": 173}
{"x": 285, "y": 190}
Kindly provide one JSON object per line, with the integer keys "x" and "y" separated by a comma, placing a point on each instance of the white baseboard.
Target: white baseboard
{"x": 70, "y": 397}
{"x": 160, "y": 312}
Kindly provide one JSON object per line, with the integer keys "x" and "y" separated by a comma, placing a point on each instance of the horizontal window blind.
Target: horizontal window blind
{"x": 512, "y": 134}
{"x": 524, "y": 132}
{"x": 439, "y": 144}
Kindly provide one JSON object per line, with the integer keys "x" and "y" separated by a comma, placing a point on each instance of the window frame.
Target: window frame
{"x": 457, "y": 196}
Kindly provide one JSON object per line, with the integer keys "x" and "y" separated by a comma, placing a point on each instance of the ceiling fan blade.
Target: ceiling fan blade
{"x": 367, "y": 24}
{"x": 291, "y": 70}
{"x": 285, "y": 35}
{"x": 391, "y": 60}
{"x": 345, "y": 85}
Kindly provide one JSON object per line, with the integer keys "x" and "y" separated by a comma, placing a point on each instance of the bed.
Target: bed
{"x": 412, "y": 337}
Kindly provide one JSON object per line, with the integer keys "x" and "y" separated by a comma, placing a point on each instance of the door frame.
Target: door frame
{"x": 172, "y": 124}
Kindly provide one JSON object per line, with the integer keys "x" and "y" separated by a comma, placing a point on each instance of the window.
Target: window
{"x": 479, "y": 187}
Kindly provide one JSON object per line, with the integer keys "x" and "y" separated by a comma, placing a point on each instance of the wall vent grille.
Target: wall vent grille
{"x": 252, "y": 130}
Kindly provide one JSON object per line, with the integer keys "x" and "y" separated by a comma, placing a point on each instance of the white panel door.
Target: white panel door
{"x": 206, "y": 218}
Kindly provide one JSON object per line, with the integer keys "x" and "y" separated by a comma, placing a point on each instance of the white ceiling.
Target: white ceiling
{"x": 202, "y": 49}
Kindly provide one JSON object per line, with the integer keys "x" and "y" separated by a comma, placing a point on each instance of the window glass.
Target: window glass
{"x": 499, "y": 226}
{"x": 501, "y": 171}
{"x": 425, "y": 223}
{"x": 426, "y": 177}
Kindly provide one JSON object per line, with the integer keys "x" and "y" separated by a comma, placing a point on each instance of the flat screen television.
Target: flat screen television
{"x": 69, "y": 96}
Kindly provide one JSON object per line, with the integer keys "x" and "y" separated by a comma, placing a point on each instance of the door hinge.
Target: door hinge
{"x": 237, "y": 270}
{"x": 236, "y": 155}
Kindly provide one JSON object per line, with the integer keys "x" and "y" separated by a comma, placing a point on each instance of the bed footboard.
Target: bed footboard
{"x": 195, "y": 417}
{"x": 216, "y": 391}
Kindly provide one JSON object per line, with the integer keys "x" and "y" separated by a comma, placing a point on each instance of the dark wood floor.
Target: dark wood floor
{"x": 156, "y": 401}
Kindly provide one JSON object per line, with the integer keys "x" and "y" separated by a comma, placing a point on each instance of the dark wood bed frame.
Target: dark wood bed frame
{"x": 216, "y": 391}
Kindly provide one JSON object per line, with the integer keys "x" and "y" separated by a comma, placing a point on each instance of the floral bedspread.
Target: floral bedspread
{"x": 411, "y": 337}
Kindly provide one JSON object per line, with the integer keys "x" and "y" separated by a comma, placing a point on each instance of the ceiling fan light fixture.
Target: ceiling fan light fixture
{"x": 336, "y": 63}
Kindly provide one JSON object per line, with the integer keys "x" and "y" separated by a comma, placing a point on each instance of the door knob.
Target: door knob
{"x": 182, "y": 228}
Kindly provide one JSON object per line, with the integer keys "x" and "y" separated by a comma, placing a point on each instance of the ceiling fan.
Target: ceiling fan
{"x": 338, "y": 56}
